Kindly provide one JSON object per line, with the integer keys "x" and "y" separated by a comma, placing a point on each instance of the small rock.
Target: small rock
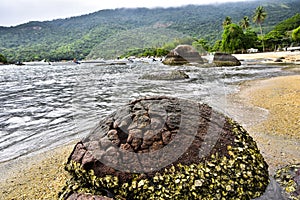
{"x": 173, "y": 75}
{"x": 278, "y": 60}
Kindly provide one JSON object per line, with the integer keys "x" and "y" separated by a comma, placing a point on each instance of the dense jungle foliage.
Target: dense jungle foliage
{"x": 3, "y": 60}
{"x": 282, "y": 35}
{"x": 121, "y": 32}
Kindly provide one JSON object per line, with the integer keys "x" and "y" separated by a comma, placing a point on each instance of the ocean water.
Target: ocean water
{"x": 44, "y": 106}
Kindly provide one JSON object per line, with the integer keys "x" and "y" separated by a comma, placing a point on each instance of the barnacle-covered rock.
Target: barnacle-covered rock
{"x": 167, "y": 148}
{"x": 289, "y": 178}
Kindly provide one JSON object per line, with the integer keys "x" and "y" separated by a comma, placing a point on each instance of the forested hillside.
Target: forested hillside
{"x": 111, "y": 33}
{"x": 280, "y": 35}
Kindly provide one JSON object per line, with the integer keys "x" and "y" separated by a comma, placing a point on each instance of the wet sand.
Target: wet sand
{"x": 36, "y": 177}
{"x": 268, "y": 109}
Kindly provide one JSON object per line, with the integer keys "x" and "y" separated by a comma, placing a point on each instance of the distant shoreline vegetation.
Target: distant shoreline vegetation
{"x": 236, "y": 38}
{"x": 109, "y": 34}
{"x": 3, "y": 60}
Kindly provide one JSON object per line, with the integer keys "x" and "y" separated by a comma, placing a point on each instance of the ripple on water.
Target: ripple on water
{"x": 43, "y": 83}
{"x": 57, "y": 113}
{"x": 38, "y": 122}
{"x": 18, "y": 120}
{"x": 58, "y": 121}
{"x": 45, "y": 106}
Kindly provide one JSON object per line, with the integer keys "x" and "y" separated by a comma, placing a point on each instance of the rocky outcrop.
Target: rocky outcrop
{"x": 183, "y": 54}
{"x": 224, "y": 59}
{"x": 167, "y": 148}
{"x": 170, "y": 76}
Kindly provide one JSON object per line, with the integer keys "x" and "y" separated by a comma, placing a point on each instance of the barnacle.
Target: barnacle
{"x": 182, "y": 182}
{"x": 288, "y": 177}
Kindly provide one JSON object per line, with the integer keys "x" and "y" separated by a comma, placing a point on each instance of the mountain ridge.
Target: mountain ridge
{"x": 79, "y": 36}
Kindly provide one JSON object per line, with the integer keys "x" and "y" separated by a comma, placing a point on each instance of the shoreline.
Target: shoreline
{"x": 43, "y": 175}
{"x": 39, "y": 176}
{"x": 269, "y": 109}
{"x": 271, "y": 57}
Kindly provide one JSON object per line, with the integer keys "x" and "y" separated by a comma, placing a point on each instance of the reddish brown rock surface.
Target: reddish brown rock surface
{"x": 154, "y": 135}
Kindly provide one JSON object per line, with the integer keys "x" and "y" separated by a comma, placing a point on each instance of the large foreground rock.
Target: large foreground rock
{"x": 167, "y": 148}
{"x": 224, "y": 59}
{"x": 183, "y": 54}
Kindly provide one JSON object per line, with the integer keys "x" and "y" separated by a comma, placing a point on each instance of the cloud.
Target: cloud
{"x": 15, "y": 12}
{"x": 20, "y": 11}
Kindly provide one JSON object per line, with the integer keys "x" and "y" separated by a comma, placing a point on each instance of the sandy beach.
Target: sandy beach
{"x": 285, "y": 56}
{"x": 37, "y": 177}
{"x": 268, "y": 109}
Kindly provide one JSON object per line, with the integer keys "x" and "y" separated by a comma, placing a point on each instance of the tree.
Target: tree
{"x": 276, "y": 39}
{"x": 281, "y": 35}
{"x": 244, "y": 23}
{"x": 217, "y": 46}
{"x": 201, "y": 46}
{"x": 296, "y": 34}
{"x": 259, "y": 17}
{"x": 232, "y": 38}
{"x": 250, "y": 39}
{"x": 3, "y": 59}
{"x": 227, "y": 21}
{"x": 171, "y": 45}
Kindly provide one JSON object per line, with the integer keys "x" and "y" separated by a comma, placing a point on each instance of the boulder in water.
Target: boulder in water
{"x": 224, "y": 59}
{"x": 167, "y": 148}
{"x": 183, "y": 54}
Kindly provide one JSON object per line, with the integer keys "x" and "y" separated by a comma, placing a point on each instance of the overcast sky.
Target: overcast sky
{"x": 14, "y": 12}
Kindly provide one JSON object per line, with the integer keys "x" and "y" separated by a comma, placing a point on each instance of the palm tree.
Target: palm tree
{"x": 227, "y": 21}
{"x": 244, "y": 23}
{"x": 259, "y": 17}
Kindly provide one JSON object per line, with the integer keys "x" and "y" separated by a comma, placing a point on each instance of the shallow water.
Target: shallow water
{"x": 47, "y": 106}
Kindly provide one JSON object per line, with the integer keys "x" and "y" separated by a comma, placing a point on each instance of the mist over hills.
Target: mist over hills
{"x": 110, "y": 33}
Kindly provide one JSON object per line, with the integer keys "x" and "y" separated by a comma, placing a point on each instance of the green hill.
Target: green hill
{"x": 280, "y": 36}
{"x": 108, "y": 33}
{"x": 137, "y": 38}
